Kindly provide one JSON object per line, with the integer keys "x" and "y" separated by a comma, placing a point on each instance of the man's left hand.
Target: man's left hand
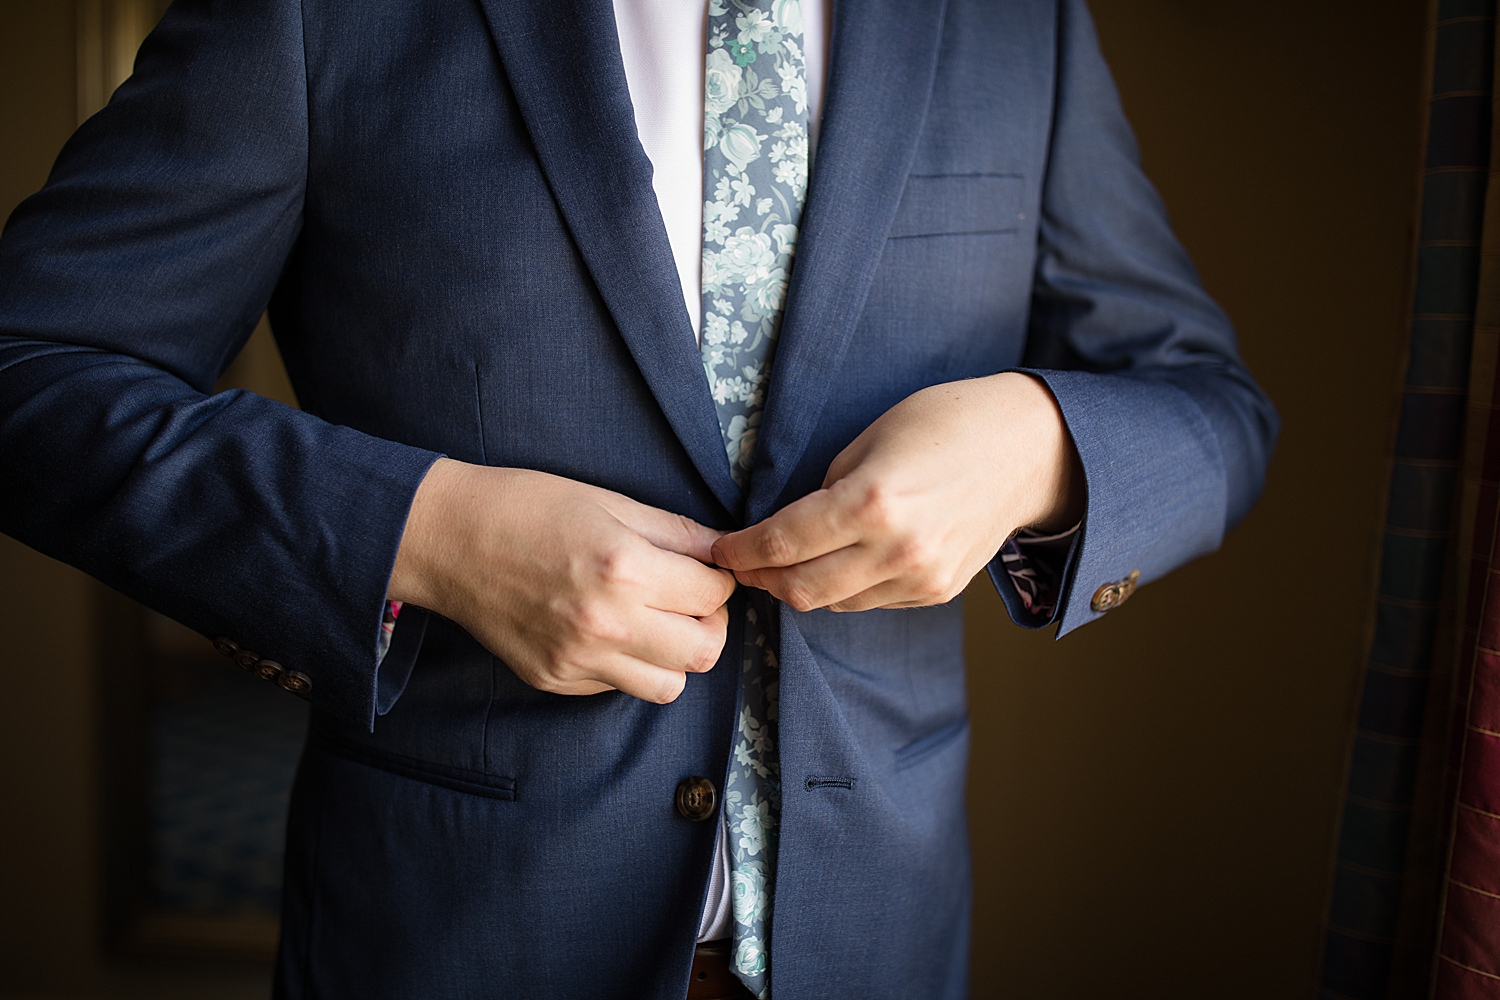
{"x": 919, "y": 502}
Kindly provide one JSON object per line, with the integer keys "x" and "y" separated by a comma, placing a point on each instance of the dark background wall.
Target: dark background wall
{"x": 47, "y": 817}
{"x": 1153, "y": 799}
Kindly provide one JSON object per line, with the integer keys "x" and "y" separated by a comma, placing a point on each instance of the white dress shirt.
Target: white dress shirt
{"x": 664, "y": 44}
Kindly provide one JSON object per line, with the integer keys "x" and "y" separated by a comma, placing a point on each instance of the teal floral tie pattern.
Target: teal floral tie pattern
{"x": 755, "y": 166}
{"x": 752, "y": 807}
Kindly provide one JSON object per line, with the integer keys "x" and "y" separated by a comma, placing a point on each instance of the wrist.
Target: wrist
{"x": 417, "y": 575}
{"x": 1058, "y": 495}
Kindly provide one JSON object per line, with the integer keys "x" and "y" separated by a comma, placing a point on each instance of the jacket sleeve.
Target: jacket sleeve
{"x": 1173, "y": 433}
{"x": 127, "y": 284}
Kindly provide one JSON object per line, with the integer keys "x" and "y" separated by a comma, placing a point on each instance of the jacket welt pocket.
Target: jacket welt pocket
{"x": 459, "y": 779}
{"x": 959, "y": 204}
{"x": 930, "y": 745}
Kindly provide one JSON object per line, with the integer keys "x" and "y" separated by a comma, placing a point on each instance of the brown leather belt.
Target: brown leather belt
{"x": 712, "y": 979}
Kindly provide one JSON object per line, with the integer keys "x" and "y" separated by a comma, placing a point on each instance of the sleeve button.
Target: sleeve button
{"x": 1112, "y": 595}
{"x": 269, "y": 670}
{"x": 247, "y": 659}
{"x": 226, "y": 646}
{"x": 295, "y": 681}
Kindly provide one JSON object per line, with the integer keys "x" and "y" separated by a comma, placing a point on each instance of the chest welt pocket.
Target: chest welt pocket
{"x": 959, "y": 204}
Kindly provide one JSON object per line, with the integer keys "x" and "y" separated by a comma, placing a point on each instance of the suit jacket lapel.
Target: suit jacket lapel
{"x": 563, "y": 61}
{"x": 884, "y": 55}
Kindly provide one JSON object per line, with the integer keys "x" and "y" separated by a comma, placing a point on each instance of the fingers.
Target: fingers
{"x": 665, "y": 530}
{"x": 909, "y": 590}
{"x": 899, "y": 573}
{"x": 844, "y": 594}
{"x": 889, "y": 594}
{"x": 648, "y": 658}
{"x": 820, "y": 582}
{"x": 676, "y": 642}
{"x": 667, "y": 581}
{"x": 579, "y": 589}
{"x": 652, "y": 615}
{"x": 819, "y": 523}
{"x": 638, "y": 679}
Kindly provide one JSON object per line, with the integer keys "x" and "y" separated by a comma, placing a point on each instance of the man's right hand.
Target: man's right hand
{"x": 579, "y": 590}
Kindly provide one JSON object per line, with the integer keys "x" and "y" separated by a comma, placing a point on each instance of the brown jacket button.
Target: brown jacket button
{"x": 247, "y": 659}
{"x": 295, "y": 681}
{"x": 697, "y": 799}
{"x": 1112, "y": 595}
{"x": 226, "y": 646}
{"x": 269, "y": 670}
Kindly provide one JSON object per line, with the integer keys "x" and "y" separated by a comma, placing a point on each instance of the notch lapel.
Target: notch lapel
{"x": 562, "y": 58}
{"x": 884, "y": 55}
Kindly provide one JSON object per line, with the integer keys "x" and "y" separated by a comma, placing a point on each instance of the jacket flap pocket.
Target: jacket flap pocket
{"x": 953, "y": 204}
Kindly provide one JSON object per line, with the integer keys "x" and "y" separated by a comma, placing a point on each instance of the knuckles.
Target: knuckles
{"x": 708, "y": 653}
{"x": 799, "y": 597}
{"x": 879, "y": 509}
{"x": 712, "y": 595}
{"x": 553, "y": 678}
{"x": 596, "y": 621}
{"x": 932, "y": 581}
{"x": 916, "y": 555}
{"x": 775, "y": 548}
{"x": 669, "y": 689}
{"x": 616, "y": 567}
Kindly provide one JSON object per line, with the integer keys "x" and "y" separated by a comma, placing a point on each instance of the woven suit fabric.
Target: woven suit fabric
{"x": 475, "y": 265}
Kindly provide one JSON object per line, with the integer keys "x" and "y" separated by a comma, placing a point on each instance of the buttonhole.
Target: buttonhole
{"x": 814, "y": 781}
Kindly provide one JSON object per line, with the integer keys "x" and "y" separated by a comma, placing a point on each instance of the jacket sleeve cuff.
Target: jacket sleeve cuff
{"x": 395, "y": 660}
{"x": 1156, "y": 491}
{"x": 1031, "y": 574}
{"x": 323, "y": 634}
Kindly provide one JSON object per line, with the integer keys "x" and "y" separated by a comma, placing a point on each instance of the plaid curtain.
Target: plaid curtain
{"x": 1389, "y": 895}
{"x": 1468, "y": 962}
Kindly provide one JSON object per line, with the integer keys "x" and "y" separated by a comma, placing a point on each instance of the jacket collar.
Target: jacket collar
{"x": 881, "y": 67}
{"x": 562, "y": 58}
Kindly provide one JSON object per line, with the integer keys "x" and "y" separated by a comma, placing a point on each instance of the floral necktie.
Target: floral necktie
{"x": 755, "y": 165}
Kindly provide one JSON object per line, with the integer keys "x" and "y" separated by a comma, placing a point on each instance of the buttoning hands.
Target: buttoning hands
{"x": 578, "y": 589}
{"x": 581, "y": 590}
{"x": 919, "y": 502}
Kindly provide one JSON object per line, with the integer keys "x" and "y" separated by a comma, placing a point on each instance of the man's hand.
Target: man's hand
{"x": 920, "y": 502}
{"x": 579, "y": 590}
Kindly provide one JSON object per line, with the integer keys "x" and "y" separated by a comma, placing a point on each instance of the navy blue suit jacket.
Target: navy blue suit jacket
{"x": 446, "y": 207}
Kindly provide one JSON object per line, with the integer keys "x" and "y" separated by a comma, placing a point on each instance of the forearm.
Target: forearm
{"x": 233, "y": 514}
